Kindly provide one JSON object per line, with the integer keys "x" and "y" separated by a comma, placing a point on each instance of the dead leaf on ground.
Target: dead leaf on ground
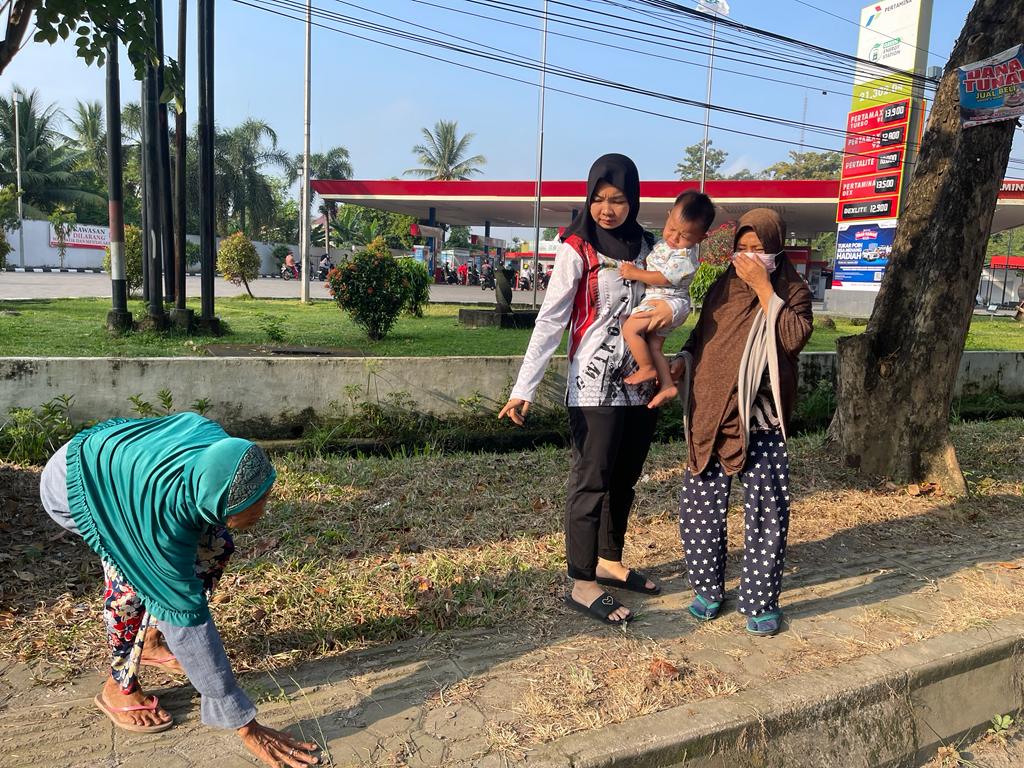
{"x": 664, "y": 670}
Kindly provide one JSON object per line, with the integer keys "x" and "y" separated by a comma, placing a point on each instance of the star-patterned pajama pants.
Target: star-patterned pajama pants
{"x": 703, "y": 511}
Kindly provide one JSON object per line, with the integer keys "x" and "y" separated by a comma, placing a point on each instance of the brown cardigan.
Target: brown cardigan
{"x": 717, "y": 343}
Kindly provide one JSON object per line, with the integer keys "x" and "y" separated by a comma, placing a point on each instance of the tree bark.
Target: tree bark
{"x": 895, "y": 381}
{"x": 17, "y": 25}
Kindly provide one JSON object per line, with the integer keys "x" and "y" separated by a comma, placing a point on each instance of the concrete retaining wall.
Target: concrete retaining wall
{"x": 892, "y": 710}
{"x": 275, "y": 397}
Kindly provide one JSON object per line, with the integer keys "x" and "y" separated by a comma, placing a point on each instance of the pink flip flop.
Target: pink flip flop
{"x": 111, "y": 712}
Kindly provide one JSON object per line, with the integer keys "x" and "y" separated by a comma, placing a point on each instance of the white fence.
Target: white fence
{"x": 40, "y": 253}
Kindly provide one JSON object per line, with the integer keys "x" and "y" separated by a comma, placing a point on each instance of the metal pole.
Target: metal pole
{"x": 304, "y": 245}
{"x": 17, "y": 167}
{"x": 207, "y": 224}
{"x": 540, "y": 152}
{"x": 144, "y": 207}
{"x": 119, "y": 318}
{"x": 707, "y": 109}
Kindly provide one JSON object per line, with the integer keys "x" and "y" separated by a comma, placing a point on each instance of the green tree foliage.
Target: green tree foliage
{"x": 335, "y": 163}
{"x": 132, "y": 258}
{"x": 373, "y": 287}
{"x": 807, "y": 165}
{"x": 549, "y": 233}
{"x": 244, "y": 153}
{"x": 1009, "y": 241}
{"x": 714, "y": 259}
{"x": 416, "y": 281}
{"x": 90, "y": 134}
{"x": 8, "y": 220}
{"x": 238, "y": 260}
{"x": 825, "y": 245}
{"x": 90, "y": 22}
{"x": 458, "y": 237}
{"x": 443, "y": 155}
{"x": 355, "y": 225}
{"x": 63, "y": 222}
{"x": 690, "y": 167}
{"x": 50, "y": 171}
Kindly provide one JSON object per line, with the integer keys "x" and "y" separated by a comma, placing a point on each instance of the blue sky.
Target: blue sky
{"x": 373, "y": 100}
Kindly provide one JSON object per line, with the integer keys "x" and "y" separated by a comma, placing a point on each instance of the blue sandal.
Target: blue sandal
{"x": 766, "y": 624}
{"x": 703, "y": 609}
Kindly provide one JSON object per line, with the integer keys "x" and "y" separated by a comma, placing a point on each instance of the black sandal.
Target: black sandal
{"x": 603, "y": 607}
{"x": 635, "y": 582}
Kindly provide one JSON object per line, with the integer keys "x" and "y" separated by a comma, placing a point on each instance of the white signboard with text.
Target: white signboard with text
{"x": 84, "y": 236}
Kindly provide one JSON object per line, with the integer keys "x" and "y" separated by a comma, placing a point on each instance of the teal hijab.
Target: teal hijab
{"x": 142, "y": 491}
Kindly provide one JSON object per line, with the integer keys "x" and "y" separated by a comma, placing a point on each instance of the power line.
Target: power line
{"x": 532, "y": 65}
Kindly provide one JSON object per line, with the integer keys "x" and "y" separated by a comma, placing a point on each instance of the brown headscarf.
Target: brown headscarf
{"x": 718, "y": 340}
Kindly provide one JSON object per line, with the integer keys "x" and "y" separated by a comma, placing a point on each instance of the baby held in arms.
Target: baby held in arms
{"x": 670, "y": 267}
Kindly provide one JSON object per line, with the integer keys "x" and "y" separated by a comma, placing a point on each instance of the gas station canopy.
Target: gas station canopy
{"x": 808, "y": 207}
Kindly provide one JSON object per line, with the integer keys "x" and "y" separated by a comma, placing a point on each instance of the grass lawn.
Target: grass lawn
{"x": 74, "y": 327}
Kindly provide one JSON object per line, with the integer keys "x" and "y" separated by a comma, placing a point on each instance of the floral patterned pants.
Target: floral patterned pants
{"x": 126, "y": 618}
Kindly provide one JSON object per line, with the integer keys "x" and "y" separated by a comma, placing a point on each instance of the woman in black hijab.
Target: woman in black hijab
{"x": 610, "y": 423}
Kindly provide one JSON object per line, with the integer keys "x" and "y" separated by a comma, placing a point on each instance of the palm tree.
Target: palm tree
{"x": 443, "y": 156}
{"x": 335, "y": 163}
{"x": 247, "y": 150}
{"x": 90, "y": 133}
{"x": 48, "y": 159}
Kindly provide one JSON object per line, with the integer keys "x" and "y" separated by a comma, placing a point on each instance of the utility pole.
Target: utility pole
{"x": 15, "y": 97}
{"x": 119, "y": 319}
{"x": 540, "y": 153}
{"x": 714, "y": 7}
{"x": 305, "y": 196}
{"x": 165, "y": 204}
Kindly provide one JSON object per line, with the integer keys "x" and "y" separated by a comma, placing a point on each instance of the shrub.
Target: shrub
{"x": 717, "y": 248}
{"x": 132, "y": 258}
{"x": 371, "y": 288}
{"x": 32, "y": 435}
{"x": 238, "y": 260}
{"x": 705, "y": 276}
{"x": 193, "y": 253}
{"x": 8, "y": 220}
{"x": 63, "y": 221}
{"x": 417, "y": 285}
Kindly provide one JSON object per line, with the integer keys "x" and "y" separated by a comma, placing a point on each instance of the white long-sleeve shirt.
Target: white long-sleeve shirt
{"x": 592, "y": 301}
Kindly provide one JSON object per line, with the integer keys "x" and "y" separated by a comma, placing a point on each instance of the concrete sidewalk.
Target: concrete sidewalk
{"x": 896, "y": 638}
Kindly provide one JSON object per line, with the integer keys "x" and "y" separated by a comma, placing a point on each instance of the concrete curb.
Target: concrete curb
{"x": 885, "y": 711}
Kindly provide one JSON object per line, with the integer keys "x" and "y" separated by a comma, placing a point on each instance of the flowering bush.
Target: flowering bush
{"x": 372, "y": 287}
{"x": 238, "y": 260}
{"x": 714, "y": 260}
{"x": 417, "y": 284}
{"x": 132, "y": 258}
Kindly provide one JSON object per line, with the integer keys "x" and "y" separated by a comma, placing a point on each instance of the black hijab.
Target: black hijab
{"x": 623, "y": 242}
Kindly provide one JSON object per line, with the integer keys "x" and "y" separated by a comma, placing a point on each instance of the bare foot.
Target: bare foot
{"x": 663, "y": 396}
{"x": 647, "y": 373}
{"x": 113, "y": 699}
{"x": 610, "y": 569}
{"x": 586, "y": 592}
{"x": 155, "y": 653}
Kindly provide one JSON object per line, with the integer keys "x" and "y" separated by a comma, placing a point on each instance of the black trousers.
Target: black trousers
{"x": 609, "y": 447}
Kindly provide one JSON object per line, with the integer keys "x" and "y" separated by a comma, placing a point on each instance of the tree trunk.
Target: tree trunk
{"x": 896, "y": 380}
{"x": 17, "y": 25}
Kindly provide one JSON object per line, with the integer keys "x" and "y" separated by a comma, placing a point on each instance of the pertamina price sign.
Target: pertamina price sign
{"x": 876, "y": 144}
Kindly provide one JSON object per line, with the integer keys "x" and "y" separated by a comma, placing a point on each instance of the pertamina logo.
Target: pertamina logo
{"x": 875, "y": 15}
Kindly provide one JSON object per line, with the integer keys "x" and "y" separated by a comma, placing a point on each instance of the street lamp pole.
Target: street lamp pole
{"x": 540, "y": 154}
{"x": 713, "y": 7}
{"x": 17, "y": 171}
{"x": 304, "y": 228}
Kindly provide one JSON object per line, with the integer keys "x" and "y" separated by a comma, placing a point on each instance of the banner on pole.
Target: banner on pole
{"x": 992, "y": 89}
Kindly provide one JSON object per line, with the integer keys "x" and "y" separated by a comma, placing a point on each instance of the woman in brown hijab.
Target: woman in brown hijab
{"x": 744, "y": 353}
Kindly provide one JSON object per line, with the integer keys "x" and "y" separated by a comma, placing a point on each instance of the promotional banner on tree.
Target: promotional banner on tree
{"x": 862, "y": 253}
{"x": 992, "y": 89}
